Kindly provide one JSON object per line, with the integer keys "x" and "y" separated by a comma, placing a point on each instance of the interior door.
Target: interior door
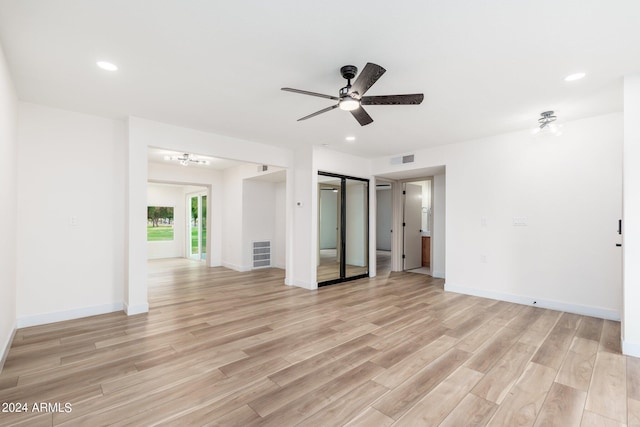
{"x": 412, "y": 221}
{"x": 357, "y": 228}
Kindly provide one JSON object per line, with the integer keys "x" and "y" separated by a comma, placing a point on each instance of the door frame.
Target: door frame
{"x": 397, "y": 262}
{"x": 404, "y": 224}
{"x": 188, "y": 197}
{"x": 341, "y": 246}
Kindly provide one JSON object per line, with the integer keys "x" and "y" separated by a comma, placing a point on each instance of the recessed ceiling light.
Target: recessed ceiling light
{"x": 350, "y": 138}
{"x": 574, "y": 77}
{"x": 107, "y": 65}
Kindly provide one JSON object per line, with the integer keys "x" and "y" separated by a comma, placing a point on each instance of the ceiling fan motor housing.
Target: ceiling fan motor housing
{"x": 349, "y": 71}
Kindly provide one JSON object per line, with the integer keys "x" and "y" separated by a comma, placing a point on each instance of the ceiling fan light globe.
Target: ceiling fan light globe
{"x": 349, "y": 104}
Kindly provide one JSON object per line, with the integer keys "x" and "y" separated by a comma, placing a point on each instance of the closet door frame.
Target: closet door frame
{"x": 343, "y": 229}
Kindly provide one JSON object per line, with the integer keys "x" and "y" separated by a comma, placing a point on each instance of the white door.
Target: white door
{"x": 412, "y": 234}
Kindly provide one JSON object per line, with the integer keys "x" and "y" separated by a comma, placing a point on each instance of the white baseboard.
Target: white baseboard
{"x": 4, "y": 350}
{"x": 302, "y": 284}
{"x": 136, "y": 309}
{"x": 630, "y": 348}
{"x": 438, "y": 274}
{"x": 235, "y": 267}
{"x": 59, "y": 316}
{"x": 583, "y": 310}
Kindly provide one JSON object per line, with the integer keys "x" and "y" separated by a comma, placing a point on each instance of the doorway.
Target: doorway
{"x": 384, "y": 226}
{"x": 343, "y": 228}
{"x": 417, "y": 225}
{"x": 197, "y": 226}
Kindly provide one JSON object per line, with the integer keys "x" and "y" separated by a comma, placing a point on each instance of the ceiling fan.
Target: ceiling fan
{"x": 351, "y": 97}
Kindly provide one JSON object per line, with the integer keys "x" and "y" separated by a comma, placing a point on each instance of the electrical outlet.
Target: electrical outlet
{"x": 483, "y": 259}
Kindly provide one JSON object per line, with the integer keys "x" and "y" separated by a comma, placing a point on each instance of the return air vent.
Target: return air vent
{"x": 262, "y": 254}
{"x": 409, "y": 158}
{"x": 263, "y": 168}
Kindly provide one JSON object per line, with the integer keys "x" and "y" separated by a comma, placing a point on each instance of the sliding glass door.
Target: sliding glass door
{"x": 343, "y": 228}
{"x": 197, "y": 233}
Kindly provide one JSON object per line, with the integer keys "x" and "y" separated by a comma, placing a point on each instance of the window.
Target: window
{"x": 159, "y": 223}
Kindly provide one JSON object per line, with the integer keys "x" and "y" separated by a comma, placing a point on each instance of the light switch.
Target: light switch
{"x": 519, "y": 221}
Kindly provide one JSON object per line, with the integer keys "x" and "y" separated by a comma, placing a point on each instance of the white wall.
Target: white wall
{"x": 70, "y": 215}
{"x": 8, "y": 201}
{"x": 172, "y": 196}
{"x": 279, "y": 242}
{"x": 258, "y": 216}
{"x": 567, "y": 189}
{"x": 384, "y": 215}
{"x": 303, "y": 238}
{"x": 232, "y": 214}
{"x": 631, "y": 217}
{"x": 249, "y": 212}
{"x": 439, "y": 233}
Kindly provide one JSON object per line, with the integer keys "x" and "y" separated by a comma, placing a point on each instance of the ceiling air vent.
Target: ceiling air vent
{"x": 263, "y": 168}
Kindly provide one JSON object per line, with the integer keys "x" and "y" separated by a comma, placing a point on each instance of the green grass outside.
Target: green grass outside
{"x": 155, "y": 234}
{"x": 194, "y": 240}
{"x": 159, "y": 233}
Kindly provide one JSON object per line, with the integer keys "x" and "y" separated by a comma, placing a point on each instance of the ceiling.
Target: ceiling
{"x": 485, "y": 67}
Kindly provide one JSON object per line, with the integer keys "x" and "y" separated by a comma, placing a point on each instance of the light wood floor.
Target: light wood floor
{"x": 226, "y": 348}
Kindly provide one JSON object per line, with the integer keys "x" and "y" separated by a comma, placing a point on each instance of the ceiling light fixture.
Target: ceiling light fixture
{"x": 349, "y": 104}
{"x": 349, "y": 100}
{"x": 186, "y": 159}
{"x": 107, "y": 66}
{"x": 350, "y": 138}
{"x": 574, "y": 77}
{"x": 546, "y": 123}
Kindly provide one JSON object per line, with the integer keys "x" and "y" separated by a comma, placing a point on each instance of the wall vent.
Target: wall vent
{"x": 263, "y": 168}
{"x": 409, "y": 158}
{"x": 262, "y": 254}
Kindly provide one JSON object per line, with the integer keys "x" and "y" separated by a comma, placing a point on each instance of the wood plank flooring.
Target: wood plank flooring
{"x": 225, "y": 348}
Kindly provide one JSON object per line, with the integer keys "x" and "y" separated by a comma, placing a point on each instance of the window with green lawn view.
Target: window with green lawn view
{"x": 159, "y": 223}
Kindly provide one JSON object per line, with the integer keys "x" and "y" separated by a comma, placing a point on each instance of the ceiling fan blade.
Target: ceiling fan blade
{"x": 362, "y": 116}
{"x": 367, "y": 77}
{"x": 415, "y": 98}
{"x": 324, "y": 110}
{"x": 306, "y": 92}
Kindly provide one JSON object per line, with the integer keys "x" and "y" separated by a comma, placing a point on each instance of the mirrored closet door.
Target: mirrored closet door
{"x": 343, "y": 228}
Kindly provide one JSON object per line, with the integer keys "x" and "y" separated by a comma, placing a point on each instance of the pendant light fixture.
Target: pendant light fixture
{"x": 186, "y": 159}
{"x": 546, "y": 123}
